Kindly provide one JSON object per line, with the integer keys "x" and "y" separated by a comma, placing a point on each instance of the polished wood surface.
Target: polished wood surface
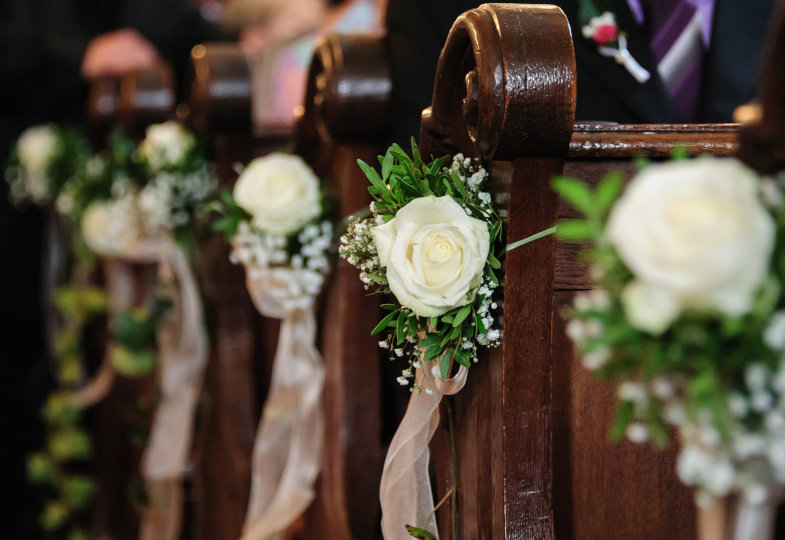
{"x": 345, "y": 116}
{"x": 546, "y": 468}
{"x": 242, "y": 341}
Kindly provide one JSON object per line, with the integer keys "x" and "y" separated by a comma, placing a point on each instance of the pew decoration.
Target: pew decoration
{"x": 281, "y": 231}
{"x": 128, "y": 205}
{"x": 43, "y": 159}
{"x": 433, "y": 240}
{"x": 688, "y": 317}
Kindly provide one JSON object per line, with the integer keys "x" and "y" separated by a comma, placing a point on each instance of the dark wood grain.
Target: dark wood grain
{"x": 242, "y": 342}
{"x": 516, "y": 110}
{"x": 763, "y": 142}
{"x": 345, "y": 114}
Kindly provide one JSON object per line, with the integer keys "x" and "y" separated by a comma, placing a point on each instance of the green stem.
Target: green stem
{"x": 531, "y": 238}
{"x": 454, "y": 454}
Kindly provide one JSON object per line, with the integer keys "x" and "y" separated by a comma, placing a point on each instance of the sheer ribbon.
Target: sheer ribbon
{"x": 405, "y": 490}
{"x": 182, "y": 357}
{"x": 287, "y": 453}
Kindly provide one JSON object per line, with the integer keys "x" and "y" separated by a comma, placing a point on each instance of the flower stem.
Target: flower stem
{"x": 531, "y": 238}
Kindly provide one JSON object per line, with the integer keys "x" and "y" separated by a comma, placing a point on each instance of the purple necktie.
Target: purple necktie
{"x": 677, "y": 43}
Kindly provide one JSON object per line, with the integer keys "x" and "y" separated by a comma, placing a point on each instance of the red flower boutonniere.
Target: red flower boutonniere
{"x": 611, "y": 42}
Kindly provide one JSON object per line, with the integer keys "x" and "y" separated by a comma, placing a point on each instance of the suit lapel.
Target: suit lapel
{"x": 648, "y": 102}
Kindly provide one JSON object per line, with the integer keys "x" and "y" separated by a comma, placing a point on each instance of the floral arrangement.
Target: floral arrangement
{"x": 114, "y": 200}
{"x": 44, "y": 158}
{"x": 279, "y": 224}
{"x": 434, "y": 241}
{"x": 688, "y": 315}
{"x": 129, "y": 193}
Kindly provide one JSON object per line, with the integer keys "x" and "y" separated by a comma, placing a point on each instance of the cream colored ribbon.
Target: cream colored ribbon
{"x": 756, "y": 521}
{"x": 405, "y": 490}
{"x": 183, "y": 350}
{"x": 287, "y": 453}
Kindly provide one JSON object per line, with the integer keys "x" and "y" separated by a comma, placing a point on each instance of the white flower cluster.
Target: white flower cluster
{"x": 167, "y": 200}
{"x": 474, "y": 178}
{"x": 36, "y": 149}
{"x": 359, "y": 250}
{"x": 166, "y": 145}
{"x": 581, "y": 331}
{"x": 300, "y": 274}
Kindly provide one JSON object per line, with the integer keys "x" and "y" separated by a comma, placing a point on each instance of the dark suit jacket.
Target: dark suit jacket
{"x": 417, "y": 30}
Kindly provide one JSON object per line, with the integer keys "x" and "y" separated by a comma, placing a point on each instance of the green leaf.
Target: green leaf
{"x": 624, "y": 415}
{"x": 478, "y": 323}
{"x": 575, "y": 192}
{"x": 493, "y": 261}
{"x": 431, "y": 353}
{"x": 444, "y": 366}
{"x": 430, "y": 339}
{"x": 387, "y": 163}
{"x": 78, "y": 491}
{"x": 41, "y": 469}
{"x": 132, "y": 363}
{"x": 389, "y": 307}
{"x": 608, "y": 190}
{"x": 68, "y": 444}
{"x": 54, "y": 516}
{"x": 384, "y": 322}
{"x": 680, "y": 153}
{"x": 228, "y": 225}
{"x": 462, "y": 357}
{"x": 461, "y": 315}
{"x": 422, "y": 534}
{"x": 372, "y": 175}
{"x": 576, "y": 230}
{"x": 134, "y": 328}
{"x": 459, "y": 187}
{"x": 400, "y": 334}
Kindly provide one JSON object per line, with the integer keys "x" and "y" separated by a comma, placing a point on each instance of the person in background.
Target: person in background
{"x": 279, "y": 37}
{"x": 49, "y": 51}
{"x": 703, "y": 58}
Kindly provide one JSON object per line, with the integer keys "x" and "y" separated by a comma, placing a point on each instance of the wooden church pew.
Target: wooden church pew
{"x": 346, "y": 112}
{"x": 347, "y": 81}
{"x": 242, "y": 342}
{"x": 130, "y": 102}
{"x": 531, "y": 426}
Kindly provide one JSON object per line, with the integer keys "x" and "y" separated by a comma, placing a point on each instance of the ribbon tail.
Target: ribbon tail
{"x": 756, "y": 521}
{"x": 405, "y": 490}
{"x": 287, "y": 452}
{"x": 182, "y": 362}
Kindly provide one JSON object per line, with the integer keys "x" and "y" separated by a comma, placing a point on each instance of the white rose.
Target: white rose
{"x": 280, "y": 192}
{"x": 165, "y": 145}
{"x": 37, "y": 147}
{"x": 111, "y": 227}
{"x": 434, "y": 253}
{"x": 693, "y": 232}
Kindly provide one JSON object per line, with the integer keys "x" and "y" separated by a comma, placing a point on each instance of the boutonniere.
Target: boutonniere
{"x": 602, "y": 29}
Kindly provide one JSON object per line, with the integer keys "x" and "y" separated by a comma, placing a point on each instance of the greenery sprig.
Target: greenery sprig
{"x": 716, "y": 374}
